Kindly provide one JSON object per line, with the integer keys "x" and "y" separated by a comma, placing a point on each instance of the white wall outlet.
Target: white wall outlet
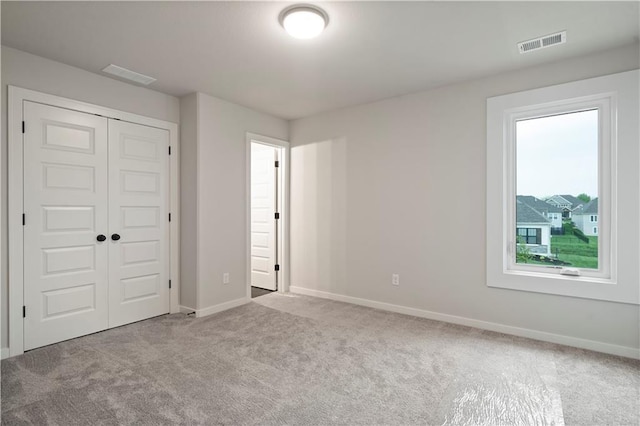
{"x": 225, "y": 278}
{"x": 395, "y": 279}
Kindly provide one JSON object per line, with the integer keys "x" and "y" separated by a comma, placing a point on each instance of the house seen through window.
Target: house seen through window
{"x": 557, "y": 190}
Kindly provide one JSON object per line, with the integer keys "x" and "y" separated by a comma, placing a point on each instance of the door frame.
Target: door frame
{"x": 16, "y": 98}
{"x": 283, "y": 208}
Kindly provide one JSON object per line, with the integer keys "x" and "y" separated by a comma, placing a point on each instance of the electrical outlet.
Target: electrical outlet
{"x": 225, "y": 278}
{"x": 395, "y": 279}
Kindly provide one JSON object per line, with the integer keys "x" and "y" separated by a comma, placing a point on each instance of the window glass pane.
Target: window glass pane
{"x": 557, "y": 189}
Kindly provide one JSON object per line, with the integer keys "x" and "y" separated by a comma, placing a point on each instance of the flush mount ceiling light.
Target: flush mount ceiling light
{"x": 304, "y": 21}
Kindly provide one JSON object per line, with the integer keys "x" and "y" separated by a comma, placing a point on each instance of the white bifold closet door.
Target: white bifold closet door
{"x": 65, "y": 202}
{"x": 138, "y": 188}
{"x": 86, "y": 179}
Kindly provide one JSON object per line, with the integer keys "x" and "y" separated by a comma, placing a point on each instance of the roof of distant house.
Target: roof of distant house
{"x": 590, "y": 208}
{"x": 575, "y": 201}
{"x": 565, "y": 198}
{"x": 538, "y": 204}
{"x": 527, "y": 214}
{"x": 557, "y": 199}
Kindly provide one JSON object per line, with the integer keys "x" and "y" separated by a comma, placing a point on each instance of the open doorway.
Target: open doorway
{"x": 267, "y": 215}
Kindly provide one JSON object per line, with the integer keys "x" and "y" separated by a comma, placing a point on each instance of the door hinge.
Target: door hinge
{"x": 277, "y": 163}
{"x": 169, "y": 283}
{"x": 24, "y": 219}
{"x": 169, "y": 149}
{"x": 23, "y": 127}
{"x": 24, "y": 311}
{"x": 277, "y": 215}
{"x": 169, "y": 217}
{"x": 277, "y": 267}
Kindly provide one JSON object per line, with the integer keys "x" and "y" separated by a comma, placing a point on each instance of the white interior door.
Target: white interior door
{"x": 138, "y": 215}
{"x": 263, "y": 209}
{"x": 65, "y": 206}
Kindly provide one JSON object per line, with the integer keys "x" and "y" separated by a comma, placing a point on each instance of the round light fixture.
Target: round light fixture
{"x": 304, "y": 21}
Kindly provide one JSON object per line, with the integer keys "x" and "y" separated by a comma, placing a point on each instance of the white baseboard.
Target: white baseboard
{"x": 186, "y": 309}
{"x": 4, "y": 353}
{"x": 592, "y": 345}
{"x": 221, "y": 307}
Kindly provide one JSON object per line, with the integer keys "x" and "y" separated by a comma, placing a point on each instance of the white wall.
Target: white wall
{"x": 222, "y": 196}
{"x": 37, "y": 73}
{"x": 557, "y": 222}
{"x": 398, "y": 186}
{"x": 583, "y": 223}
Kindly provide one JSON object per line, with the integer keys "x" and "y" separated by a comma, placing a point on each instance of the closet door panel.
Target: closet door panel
{"x": 138, "y": 222}
{"x": 65, "y": 205}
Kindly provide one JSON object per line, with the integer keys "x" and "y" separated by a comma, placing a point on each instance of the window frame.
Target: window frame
{"x": 616, "y": 96}
{"x": 604, "y": 103}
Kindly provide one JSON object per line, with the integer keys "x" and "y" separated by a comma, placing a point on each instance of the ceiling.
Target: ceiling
{"x": 370, "y": 50}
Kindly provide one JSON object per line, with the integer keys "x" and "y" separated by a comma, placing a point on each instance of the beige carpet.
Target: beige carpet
{"x": 288, "y": 359}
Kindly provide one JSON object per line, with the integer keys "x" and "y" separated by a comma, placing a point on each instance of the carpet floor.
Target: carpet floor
{"x": 297, "y": 360}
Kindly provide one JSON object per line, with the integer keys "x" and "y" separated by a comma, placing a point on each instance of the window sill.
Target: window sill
{"x": 558, "y": 276}
{"x": 615, "y": 289}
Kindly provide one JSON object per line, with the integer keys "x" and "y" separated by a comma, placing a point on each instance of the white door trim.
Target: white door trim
{"x": 283, "y": 208}
{"x": 17, "y": 96}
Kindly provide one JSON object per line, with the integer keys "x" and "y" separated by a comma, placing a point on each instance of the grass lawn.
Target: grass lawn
{"x": 575, "y": 251}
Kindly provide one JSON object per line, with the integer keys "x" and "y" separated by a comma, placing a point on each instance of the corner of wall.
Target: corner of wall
{"x": 188, "y": 201}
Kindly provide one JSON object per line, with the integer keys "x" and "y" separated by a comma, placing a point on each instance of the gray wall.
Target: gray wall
{"x": 222, "y": 194}
{"x": 399, "y": 186}
{"x": 33, "y": 72}
{"x": 188, "y": 200}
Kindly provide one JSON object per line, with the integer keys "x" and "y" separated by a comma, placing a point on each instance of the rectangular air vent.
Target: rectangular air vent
{"x": 542, "y": 42}
{"x": 128, "y": 74}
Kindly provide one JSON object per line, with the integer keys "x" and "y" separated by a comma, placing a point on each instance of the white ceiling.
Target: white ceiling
{"x": 370, "y": 50}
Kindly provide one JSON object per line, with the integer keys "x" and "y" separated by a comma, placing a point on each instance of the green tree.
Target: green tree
{"x": 584, "y": 197}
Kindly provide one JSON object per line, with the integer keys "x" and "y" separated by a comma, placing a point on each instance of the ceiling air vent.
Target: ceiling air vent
{"x": 128, "y": 74}
{"x": 542, "y": 42}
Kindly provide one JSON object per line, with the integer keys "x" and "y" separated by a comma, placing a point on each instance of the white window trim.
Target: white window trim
{"x": 617, "y": 280}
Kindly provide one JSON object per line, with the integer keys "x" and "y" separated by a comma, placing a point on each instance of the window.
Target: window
{"x": 563, "y": 145}
{"x": 530, "y": 235}
{"x": 557, "y": 153}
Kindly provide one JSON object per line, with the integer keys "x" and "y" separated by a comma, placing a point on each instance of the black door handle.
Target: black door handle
{"x": 101, "y": 238}
{"x": 115, "y": 237}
